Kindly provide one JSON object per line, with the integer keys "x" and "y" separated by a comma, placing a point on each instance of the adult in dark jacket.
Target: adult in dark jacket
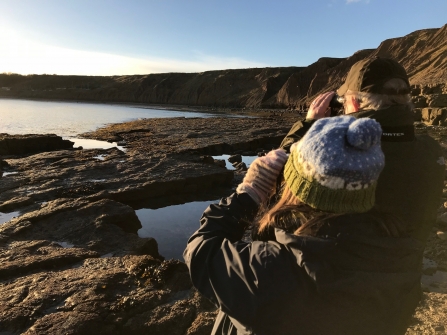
{"x": 323, "y": 260}
{"x": 413, "y": 178}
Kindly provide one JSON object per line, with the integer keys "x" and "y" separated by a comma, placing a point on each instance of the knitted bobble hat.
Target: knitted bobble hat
{"x": 335, "y": 166}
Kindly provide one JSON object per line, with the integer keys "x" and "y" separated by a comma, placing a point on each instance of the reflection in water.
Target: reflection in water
{"x": 65, "y": 244}
{"x": 100, "y": 157}
{"x": 172, "y": 226}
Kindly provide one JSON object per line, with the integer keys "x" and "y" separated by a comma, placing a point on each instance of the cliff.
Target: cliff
{"x": 423, "y": 53}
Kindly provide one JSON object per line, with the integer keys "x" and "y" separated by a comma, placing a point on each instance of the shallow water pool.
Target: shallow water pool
{"x": 172, "y": 226}
{"x": 245, "y": 159}
{"x": 5, "y": 217}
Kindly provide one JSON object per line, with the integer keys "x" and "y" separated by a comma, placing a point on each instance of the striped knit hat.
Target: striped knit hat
{"x": 335, "y": 166}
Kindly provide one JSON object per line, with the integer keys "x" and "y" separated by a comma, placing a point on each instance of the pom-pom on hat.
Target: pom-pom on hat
{"x": 335, "y": 166}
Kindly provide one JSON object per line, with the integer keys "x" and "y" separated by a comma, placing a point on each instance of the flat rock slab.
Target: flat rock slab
{"x": 102, "y": 227}
{"x": 110, "y": 174}
{"x": 215, "y": 135}
{"x": 24, "y": 144}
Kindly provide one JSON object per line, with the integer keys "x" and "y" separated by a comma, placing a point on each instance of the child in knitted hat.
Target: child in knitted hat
{"x": 323, "y": 261}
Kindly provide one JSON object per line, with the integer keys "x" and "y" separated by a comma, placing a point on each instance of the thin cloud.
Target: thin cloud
{"x": 23, "y": 56}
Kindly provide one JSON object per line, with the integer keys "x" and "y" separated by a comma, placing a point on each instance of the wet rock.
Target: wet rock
{"x": 437, "y": 100}
{"x": 429, "y": 315}
{"x": 207, "y": 159}
{"x": 26, "y": 256}
{"x": 442, "y": 219}
{"x": 415, "y": 90}
{"x": 417, "y": 115}
{"x": 203, "y": 324}
{"x": 103, "y": 226}
{"x": 220, "y": 163}
{"x": 235, "y": 158}
{"x": 250, "y": 153}
{"x": 434, "y": 116}
{"x": 24, "y": 144}
{"x": 122, "y": 177}
{"x": 15, "y": 203}
{"x": 429, "y": 266}
{"x": 114, "y": 295}
{"x": 240, "y": 166}
{"x": 419, "y": 102}
{"x": 442, "y": 235}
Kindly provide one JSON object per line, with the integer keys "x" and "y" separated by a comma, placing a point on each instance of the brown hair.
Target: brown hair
{"x": 294, "y": 216}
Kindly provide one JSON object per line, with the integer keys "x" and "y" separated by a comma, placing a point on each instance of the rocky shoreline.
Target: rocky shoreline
{"x": 72, "y": 262}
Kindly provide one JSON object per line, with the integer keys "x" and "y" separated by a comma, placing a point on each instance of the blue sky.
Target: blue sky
{"x": 99, "y": 37}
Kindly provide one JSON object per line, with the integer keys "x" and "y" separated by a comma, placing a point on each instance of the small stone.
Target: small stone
{"x": 442, "y": 217}
{"x": 207, "y": 159}
{"x": 220, "y": 162}
{"x": 240, "y": 166}
{"x": 442, "y": 235}
{"x": 429, "y": 267}
{"x": 235, "y": 158}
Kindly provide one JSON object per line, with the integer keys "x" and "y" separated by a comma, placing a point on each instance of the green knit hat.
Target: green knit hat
{"x": 335, "y": 166}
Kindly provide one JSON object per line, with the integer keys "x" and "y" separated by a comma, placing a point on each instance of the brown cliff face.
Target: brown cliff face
{"x": 423, "y": 53}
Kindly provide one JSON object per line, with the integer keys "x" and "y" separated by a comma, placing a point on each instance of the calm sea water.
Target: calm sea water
{"x": 172, "y": 226}
{"x": 69, "y": 119}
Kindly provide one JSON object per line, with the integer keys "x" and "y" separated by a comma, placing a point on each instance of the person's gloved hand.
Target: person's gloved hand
{"x": 319, "y": 108}
{"x": 260, "y": 180}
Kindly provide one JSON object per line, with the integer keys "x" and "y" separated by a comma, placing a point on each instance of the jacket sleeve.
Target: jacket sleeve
{"x": 236, "y": 276}
{"x": 298, "y": 130}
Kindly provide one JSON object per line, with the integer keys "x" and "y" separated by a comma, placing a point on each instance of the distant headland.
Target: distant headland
{"x": 422, "y": 53}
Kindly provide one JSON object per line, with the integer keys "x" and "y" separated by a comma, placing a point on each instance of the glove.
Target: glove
{"x": 260, "y": 180}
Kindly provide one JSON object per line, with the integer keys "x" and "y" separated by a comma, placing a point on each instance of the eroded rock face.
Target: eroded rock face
{"x": 422, "y": 53}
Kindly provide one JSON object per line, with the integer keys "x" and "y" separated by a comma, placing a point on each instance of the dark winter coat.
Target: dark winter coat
{"x": 411, "y": 183}
{"x": 350, "y": 281}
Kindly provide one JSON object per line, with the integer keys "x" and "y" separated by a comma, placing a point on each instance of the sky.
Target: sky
{"x": 112, "y": 37}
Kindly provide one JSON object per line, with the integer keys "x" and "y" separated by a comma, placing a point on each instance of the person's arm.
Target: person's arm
{"x": 237, "y": 276}
{"x": 317, "y": 110}
{"x": 232, "y": 273}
